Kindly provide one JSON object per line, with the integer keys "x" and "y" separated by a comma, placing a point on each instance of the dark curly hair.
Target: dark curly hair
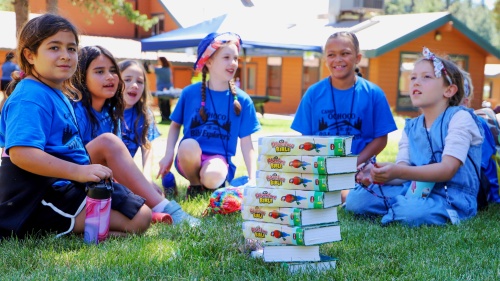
{"x": 116, "y": 105}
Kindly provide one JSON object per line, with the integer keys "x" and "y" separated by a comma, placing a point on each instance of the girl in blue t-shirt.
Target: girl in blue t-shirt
{"x": 100, "y": 111}
{"x": 98, "y": 79}
{"x": 345, "y": 103}
{"x": 435, "y": 178}
{"x": 46, "y": 166}
{"x": 139, "y": 128}
{"x": 215, "y": 114}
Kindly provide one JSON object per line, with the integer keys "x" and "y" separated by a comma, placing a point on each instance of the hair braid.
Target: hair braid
{"x": 236, "y": 103}
{"x": 202, "y": 112}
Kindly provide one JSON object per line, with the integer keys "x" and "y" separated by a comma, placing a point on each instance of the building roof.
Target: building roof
{"x": 377, "y": 35}
{"x": 382, "y": 34}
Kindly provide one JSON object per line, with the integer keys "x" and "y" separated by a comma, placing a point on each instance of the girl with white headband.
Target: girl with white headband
{"x": 435, "y": 178}
{"x": 214, "y": 113}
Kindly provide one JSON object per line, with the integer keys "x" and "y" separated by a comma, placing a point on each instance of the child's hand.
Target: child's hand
{"x": 383, "y": 172}
{"x": 363, "y": 175}
{"x": 165, "y": 166}
{"x": 93, "y": 173}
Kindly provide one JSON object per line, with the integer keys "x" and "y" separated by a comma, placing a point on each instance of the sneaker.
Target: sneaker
{"x": 178, "y": 215}
{"x": 169, "y": 185}
{"x": 195, "y": 190}
{"x": 171, "y": 191}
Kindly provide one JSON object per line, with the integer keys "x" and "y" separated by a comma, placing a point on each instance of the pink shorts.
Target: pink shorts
{"x": 204, "y": 158}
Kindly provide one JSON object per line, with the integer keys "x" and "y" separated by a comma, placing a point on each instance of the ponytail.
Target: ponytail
{"x": 16, "y": 76}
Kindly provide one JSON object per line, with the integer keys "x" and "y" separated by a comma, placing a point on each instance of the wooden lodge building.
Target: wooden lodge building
{"x": 390, "y": 43}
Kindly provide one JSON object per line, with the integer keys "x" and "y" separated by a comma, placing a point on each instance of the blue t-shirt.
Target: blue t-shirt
{"x": 7, "y": 68}
{"x": 219, "y": 134}
{"x": 131, "y": 131}
{"x": 89, "y": 132}
{"x": 37, "y": 116}
{"x": 361, "y": 111}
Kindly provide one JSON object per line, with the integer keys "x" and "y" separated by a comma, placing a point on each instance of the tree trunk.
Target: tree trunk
{"x": 52, "y": 6}
{"x": 22, "y": 9}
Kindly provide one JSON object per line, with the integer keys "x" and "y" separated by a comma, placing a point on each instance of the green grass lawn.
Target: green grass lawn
{"x": 368, "y": 251}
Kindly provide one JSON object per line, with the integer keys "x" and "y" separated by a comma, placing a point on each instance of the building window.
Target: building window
{"x": 310, "y": 73}
{"x": 407, "y": 61}
{"x": 274, "y": 78}
{"x": 159, "y": 27}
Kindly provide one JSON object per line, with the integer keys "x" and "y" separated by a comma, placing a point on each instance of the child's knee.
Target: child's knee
{"x": 189, "y": 147}
{"x": 355, "y": 201}
{"x": 213, "y": 180}
{"x": 106, "y": 143}
{"x": 141, "y": 221}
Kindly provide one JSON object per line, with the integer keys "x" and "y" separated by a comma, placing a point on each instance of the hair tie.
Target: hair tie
{"x": 22, "y": 74}
{"x": 438, "y": 64}
{"x": 202, "y": 103}
{"x": 235, "y": 97}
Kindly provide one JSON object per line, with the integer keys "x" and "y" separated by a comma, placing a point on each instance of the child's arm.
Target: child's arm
{"x": 39, "y": 162}
{"x": 373, "y": 148}
{"x": 249, "y": 156}
{"x": 437, "y": 172}
{"x": 147, "y": 158}
{"x": 167, "y": 160}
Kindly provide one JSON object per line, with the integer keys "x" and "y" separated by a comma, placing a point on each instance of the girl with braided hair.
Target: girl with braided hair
{"x": 214, "y": 113}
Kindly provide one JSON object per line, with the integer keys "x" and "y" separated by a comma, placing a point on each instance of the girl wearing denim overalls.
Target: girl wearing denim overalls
{"x": 442, "y": 147}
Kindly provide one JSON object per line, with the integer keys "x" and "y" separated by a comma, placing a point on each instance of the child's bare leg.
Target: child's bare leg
{"x": 189, "y": 155}
{"x": 344, "y": 194}
{"x": 120, "y": 225}
{"x": 79, "y": 223}
{"x": 137, "y": 225}
{"x": 107, "y": 149}
{"x": 213, "y": 173}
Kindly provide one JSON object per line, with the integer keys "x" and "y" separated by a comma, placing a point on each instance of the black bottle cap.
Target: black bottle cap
{"x": 100, "y": 190}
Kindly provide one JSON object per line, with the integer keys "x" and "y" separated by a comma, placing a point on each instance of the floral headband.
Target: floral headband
{"x": 438, "y": 64}
{"x": 211, "y": 43}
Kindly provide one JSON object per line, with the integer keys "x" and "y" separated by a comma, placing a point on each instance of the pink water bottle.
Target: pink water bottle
{"x": 97, "y": 211}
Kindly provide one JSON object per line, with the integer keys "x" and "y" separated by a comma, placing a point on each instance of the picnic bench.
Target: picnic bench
{"x": 258, "y": 102}
{"x": 168, "y": 94}
{"x": 164, "y": 98}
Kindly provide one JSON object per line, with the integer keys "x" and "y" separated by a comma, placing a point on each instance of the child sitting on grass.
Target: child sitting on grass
{"x": 440, "y": 148}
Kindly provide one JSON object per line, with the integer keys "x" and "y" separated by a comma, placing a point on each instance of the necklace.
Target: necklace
{"x": 348, "y": 130}
{"x": 433, "y": 157}
{"x": 225, "y": 145}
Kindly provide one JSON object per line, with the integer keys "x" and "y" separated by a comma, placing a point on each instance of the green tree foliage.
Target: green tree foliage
{"x": 6, "y": 5}
{"x": 496, "y": 13}
{"x": 108, "y": 8}
{"x": 428, "y": 6}
{"x": 396, "y": 7}
{"x": 477, "y": 18}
